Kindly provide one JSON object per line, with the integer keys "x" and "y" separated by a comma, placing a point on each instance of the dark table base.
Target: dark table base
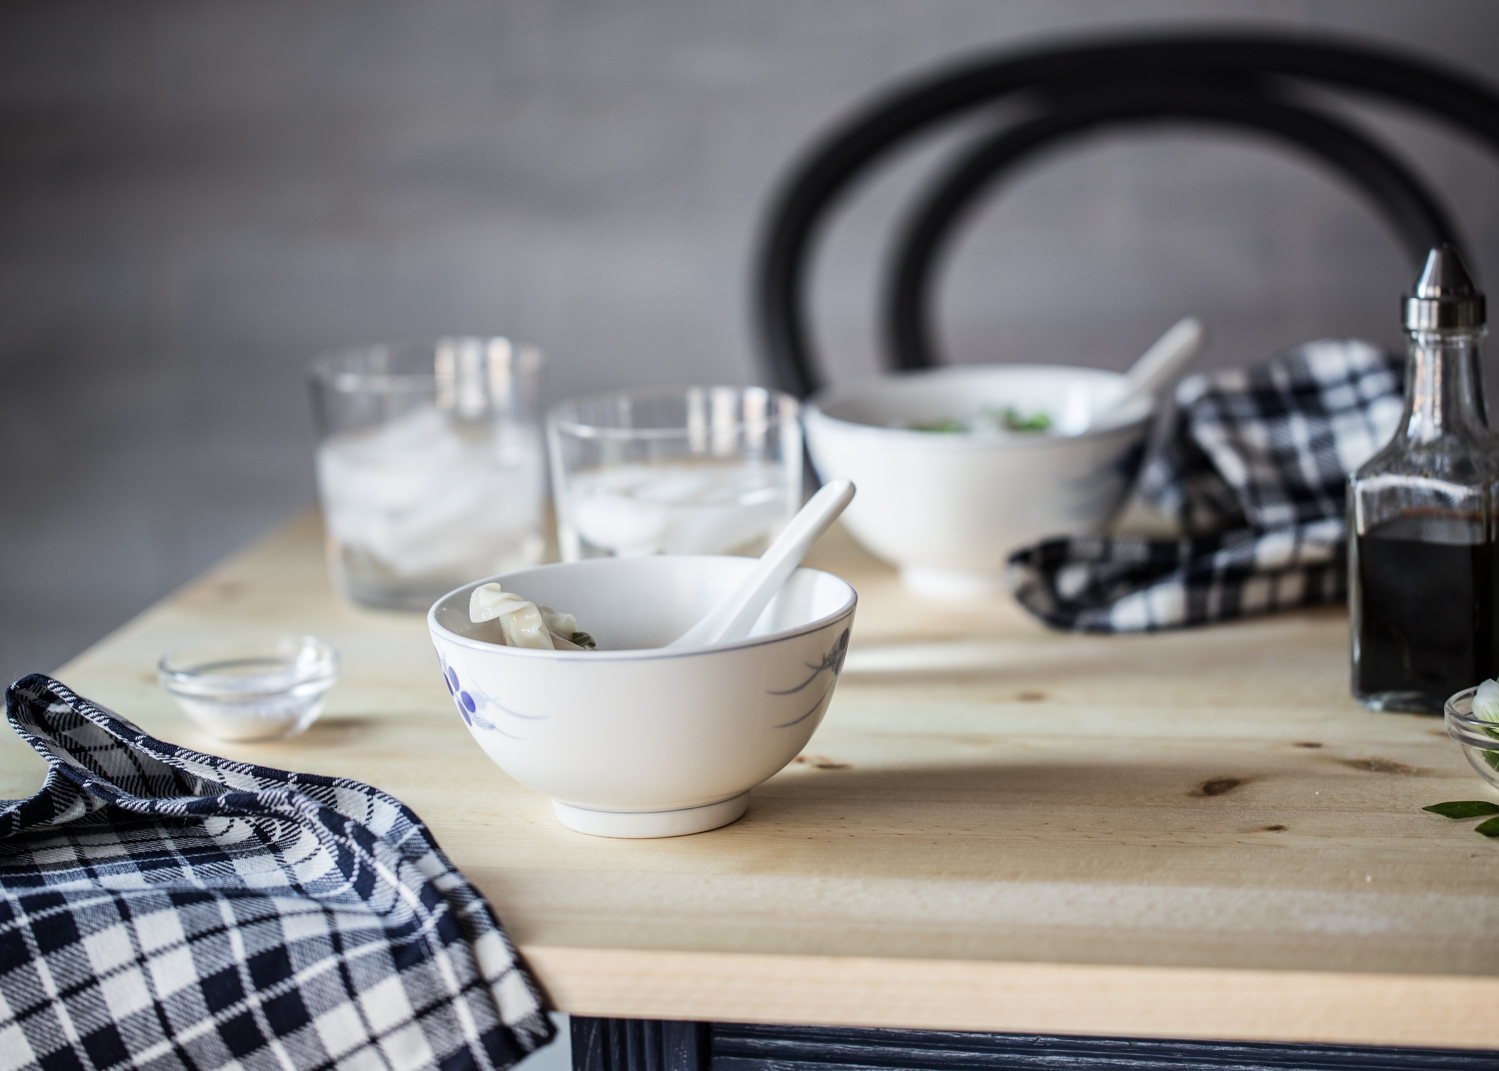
{"x": 660, "y": 1045}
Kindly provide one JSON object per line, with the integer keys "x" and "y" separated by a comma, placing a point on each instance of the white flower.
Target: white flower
{"x": 1486, "y": 701}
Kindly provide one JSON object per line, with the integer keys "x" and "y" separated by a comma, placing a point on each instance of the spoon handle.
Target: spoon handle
{"x": 732, "y": 619}
{"x": 1168, "y": 354}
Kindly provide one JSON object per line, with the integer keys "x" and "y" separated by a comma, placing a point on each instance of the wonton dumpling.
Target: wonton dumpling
{"x": 488, "y": 602}
{"x": 561, "y": 624}
{"x": 520, "y": 620}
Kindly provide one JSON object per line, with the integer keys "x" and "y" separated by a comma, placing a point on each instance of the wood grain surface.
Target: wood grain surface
{"x": 1192, "y": 834}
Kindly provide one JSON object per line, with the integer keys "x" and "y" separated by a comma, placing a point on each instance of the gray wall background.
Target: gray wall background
{"x": 197, "y": 196}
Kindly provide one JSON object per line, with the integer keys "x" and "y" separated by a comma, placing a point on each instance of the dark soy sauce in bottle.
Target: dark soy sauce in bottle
{"x": 1427, "y": 625}
{"x": 1422, "y": 554}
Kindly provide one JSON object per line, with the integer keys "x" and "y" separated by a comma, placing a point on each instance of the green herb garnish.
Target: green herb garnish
{"x": 1489, "y": 828}
{"x": 989, "y": 418}
{"x": 1465, "y": 809}
{"x": 1011, "y": 420}
{"x": 946, "y": 424}
{"x": 583, "y": 639}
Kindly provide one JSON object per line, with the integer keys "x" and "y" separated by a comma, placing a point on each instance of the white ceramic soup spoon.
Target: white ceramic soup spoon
{"x": 732, "y": 619}
{"x": 1175, "y": 348}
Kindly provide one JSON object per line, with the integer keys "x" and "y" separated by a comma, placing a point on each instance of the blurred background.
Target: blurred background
{"x": 195, "y": 198}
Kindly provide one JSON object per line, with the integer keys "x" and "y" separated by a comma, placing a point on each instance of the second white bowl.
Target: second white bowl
{"x": 949, "y": 508}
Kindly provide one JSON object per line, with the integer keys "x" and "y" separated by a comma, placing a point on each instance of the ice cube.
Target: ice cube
{"x": 421, "y": 497}
{"x": 622, "y": 524}
{"x": 680, "y": 508}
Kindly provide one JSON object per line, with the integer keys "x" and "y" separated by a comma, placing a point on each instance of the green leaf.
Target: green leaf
{"x": 1489, "y": 828}
{"x": 1466, "y": 809}
{"x": 1491, "y": 759}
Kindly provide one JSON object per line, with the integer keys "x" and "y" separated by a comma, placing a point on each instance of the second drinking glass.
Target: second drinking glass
{"x": 674, "y": 470}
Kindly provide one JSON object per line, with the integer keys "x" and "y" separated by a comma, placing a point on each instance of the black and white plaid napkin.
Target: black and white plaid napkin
{"x": 163, "y": 909}
{"x": 1256, "y": 474}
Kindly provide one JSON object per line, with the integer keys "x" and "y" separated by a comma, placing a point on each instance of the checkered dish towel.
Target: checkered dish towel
{"x": 162, "y": 909}
{"x": 1256, "y": 474}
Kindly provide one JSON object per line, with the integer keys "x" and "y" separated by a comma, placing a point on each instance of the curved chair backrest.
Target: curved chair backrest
{"x": 1244, "y": 82}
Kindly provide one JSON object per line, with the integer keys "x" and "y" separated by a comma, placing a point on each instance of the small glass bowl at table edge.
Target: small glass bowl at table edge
{"x": 278, "y": 702}
{"x": 1478, "y": 738}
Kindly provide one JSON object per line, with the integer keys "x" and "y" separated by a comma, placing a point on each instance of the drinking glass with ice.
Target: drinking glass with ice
{"x": 429, "y": 466}
{"x": 676, "y": 470}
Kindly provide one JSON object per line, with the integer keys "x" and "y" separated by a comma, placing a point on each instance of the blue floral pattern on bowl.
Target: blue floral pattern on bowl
{"x": 471, "y": 703}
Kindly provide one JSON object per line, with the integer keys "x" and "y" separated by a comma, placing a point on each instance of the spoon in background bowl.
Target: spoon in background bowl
{"x": 732, "y": 619}
{"x": 1158, "y": 364}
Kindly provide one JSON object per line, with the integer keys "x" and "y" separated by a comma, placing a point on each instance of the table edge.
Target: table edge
{"x": 1328, "y": 1007}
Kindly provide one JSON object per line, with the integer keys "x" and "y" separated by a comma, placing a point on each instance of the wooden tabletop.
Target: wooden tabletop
{"x": 998, "y": 827}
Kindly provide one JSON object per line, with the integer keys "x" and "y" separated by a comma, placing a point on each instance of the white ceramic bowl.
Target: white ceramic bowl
{"x": 948, "y": 508}
{"x": 636, "y": 740}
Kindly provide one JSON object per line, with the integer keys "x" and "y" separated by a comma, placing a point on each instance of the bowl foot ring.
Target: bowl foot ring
{"x": 644, "y": 824}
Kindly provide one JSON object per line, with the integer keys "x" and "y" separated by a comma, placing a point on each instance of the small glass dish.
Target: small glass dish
{"x": 267, "y": 688}
{"x": 1479, "y": 738}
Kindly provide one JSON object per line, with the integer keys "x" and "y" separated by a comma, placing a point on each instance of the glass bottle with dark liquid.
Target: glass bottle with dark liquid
{"x": 1423, "y": 546}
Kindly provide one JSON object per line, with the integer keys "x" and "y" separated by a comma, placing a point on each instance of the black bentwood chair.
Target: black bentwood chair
{"x": 1253, "y": 83}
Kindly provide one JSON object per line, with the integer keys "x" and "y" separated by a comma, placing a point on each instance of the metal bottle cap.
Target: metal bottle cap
{"x": 1445, "y": 296}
